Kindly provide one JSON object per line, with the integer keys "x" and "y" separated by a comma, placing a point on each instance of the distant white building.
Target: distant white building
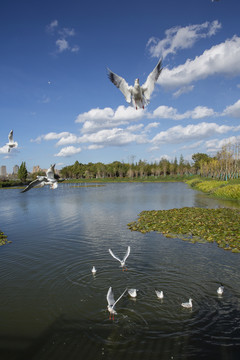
{"x": 3, "y": 170}
{"x": 15, "y": 169}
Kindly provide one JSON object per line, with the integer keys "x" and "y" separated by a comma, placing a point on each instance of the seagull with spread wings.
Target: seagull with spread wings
{"x": 50, "y": 179}
{"x": 112, "y": 302}
{"x": 11, "y": 143}
{"x": 122, "y": 262}
{"x": 138, "y": 95}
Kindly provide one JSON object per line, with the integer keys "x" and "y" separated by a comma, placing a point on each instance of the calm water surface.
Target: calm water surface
{"x": 52, "y": 307}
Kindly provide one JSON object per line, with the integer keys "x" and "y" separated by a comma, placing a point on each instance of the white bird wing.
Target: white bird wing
{"x": 119, "y": 298}
{"x": 110, "y": 297}
{"x": 127, "y": 254}
{"x": 10, "y": 136}
{"x": 50, "y": 173}
{"x": 149, "y": 84}
{"x": 34, "y": 183}
{"x": 114, "y": 256}
{"x": 121, "y": 84}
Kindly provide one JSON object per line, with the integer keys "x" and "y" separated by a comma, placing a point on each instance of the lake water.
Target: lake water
{"x": 52, "y": 307}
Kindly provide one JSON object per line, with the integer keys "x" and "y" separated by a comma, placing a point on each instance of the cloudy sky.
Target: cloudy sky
{"x": 57, "y": 98}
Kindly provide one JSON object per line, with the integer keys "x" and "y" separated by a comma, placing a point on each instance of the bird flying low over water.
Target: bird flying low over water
{"x": 50, "y": 179}
{"x": 138, "y": 95}
{"x": 112, "y": 302}
{"x": 11, "y": 144}
{"x": 122, "y": 262}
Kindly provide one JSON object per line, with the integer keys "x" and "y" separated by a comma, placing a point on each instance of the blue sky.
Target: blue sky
{"x": 57, "y": 98}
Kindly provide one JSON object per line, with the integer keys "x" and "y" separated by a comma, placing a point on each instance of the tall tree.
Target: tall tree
{"x": 22, "y": 172}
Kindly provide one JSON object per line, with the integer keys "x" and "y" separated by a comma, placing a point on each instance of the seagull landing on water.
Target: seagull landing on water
{"x": 50, "y": 179}
{"x": 220, "y": 290}
{"x": 138, "y": 95}
{"x": 112, "y": 302}
{"x": 133, "y": 292}
{"x": 188, "y": 304}
{"x": 159, "y": 294}
{"x": 11, "y": 144}
{"x": 122, "y": 262}
{"x": 94, "y": 270}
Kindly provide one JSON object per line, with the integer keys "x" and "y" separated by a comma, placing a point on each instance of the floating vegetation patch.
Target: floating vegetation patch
{"x": 3, "y": 239}
{"x": 194, "y": 224}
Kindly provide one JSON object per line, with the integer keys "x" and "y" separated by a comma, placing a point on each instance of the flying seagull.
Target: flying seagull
{"x": 112, "y": 302}
{"x": 50, "y": 179}
{"x": 11, "y": 144}
{"x": 122, "y": 262}
{"x": 138, "y": 95}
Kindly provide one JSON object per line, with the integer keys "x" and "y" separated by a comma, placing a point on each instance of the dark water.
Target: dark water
{"x": 52, "y": 307}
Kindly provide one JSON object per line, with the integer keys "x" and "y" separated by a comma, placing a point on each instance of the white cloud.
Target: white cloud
{"x": 97, "y": 119}
{"x": 62, "y": 45}
{"x": 192, "y": 146}
{"x": 151, "y": 126}
{"x": 178, "y": 134}
{"x": 215, "y": 145}
{"x": 112, "y": 137}
{"x": 52, "y": 26}
{"x": 65, "y": 32}
{"x": 183, "y": 90}
{"x": 68, "y": 139}
{"x": 95, "y": 147}
{"x": 166, "y": 112}
{"x": 51, "y": 136}
{"x": 181, "y": 38}
{"x": 220, "y": 59}
{"x": 4, "y": 149}
{"x": 75, "y": 48}
{"x": 233, "y": 110}
{"x": 68, "y": 151}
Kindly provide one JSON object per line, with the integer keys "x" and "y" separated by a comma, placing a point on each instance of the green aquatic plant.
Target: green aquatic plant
{"x": 3, "y": 239}
{"x": 194, "y": 224}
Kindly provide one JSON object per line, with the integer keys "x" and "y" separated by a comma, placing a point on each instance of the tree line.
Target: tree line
{"x": 224, "y": 165}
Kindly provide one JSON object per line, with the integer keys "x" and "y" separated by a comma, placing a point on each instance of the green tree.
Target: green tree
{"x": 22, "y": 172}
{"x": 199, "y": 159}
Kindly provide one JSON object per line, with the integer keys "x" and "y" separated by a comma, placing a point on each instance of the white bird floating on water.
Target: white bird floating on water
{"x": 50, "y": 179}
{"x": 122, "y": 262}
{"x": 187, "y": 304}
{"x": 94, "y": 270}
{"x": 220, "y": 290}
{"x": 138, "y": 95}
{"x": 11, "y": 144}
{"x": 133, "y": 292}
{"x": 159, "y": 294}
{"x": 112, "y": 302}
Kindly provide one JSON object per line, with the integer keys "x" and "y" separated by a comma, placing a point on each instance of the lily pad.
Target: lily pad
{"x": 194, "y": 224}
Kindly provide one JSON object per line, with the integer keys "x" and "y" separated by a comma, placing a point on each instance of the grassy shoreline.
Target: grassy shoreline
{"x": 227, "y": 190}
